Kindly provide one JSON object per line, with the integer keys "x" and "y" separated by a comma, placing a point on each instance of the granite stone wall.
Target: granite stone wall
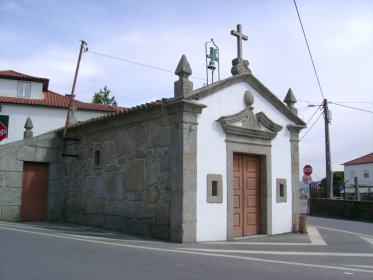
{"x": 122, "y": 176}
{"x": 40, "y": 149}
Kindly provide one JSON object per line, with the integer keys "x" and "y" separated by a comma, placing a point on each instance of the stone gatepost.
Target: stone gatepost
{"x": 183, "y": 211}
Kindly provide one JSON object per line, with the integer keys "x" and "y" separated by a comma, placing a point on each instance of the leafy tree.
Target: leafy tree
{"x": 102, "y": 97}
{"x": 338, "y": 179}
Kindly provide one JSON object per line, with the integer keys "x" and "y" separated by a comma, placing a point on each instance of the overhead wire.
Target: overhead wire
{"x": 359, "y": 109}
{"x": 140, "y": 64}
{"x": 311, "y": 126}
{"x": 309, "y": 51}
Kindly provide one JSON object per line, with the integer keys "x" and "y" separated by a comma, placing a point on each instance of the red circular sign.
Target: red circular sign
{"x": 3, "y": 131}
{"x": 307, "y": 170}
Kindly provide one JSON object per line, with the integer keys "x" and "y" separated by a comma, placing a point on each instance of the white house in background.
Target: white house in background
{"x": 362, "y": 168}
{"x": 23, "y": 96}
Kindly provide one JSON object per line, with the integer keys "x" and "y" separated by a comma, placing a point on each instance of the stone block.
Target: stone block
{"x": 165, "y": 162}
{"x": 27, "y": 153}
{"x": 99, "y": 188}
{"x": 138, "y": 227}
{"x": 161, "y": 233}
{"x": 114, "y": 185}
{"x": 10, "y": 196}
{"x": 159, "y": 138}
{"x": 9, "y": 162}
{"x": 134, "y": 180}
{"x": 116, "y": 223}
{"x": 10, "y": 179}
{"x": 144, "y": 212}
{"x": 125, "y": 209}
{"x": 110, "y": 207}
{"x": 55, "y": 186}
{"x": 152, "y": 173}
{"x": 56, "y": 171}
{"x": 134, "y": 196}
{"x": 96, "y": 220}
{"x": 10, "y": 213}
{"x": 162, "y": 214}
{"x": 138, "y": 135}
{"x": 152, "y": 194}
{"x": 54, "y": 208}
{"x": 109, "y": 149}
{"x": 124, "y": 143}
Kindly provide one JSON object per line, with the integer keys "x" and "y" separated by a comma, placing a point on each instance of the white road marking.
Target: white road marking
{"x": 190, "y": 252}
{"x": 364, "y": 266}
{"x": 287, "y": 253}
{"x": 369, "y": 240}
{"x": 313, "y": 234}
{"x": 344, "y": 231}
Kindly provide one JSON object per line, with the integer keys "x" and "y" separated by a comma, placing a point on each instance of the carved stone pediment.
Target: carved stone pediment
{"x": 245, "y": 123}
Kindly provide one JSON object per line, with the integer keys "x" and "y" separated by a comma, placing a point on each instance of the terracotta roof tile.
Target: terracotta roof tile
{"x": 10, "y": 74}
{"x": 361, "y": 160}
{"x": 52, "y": 99}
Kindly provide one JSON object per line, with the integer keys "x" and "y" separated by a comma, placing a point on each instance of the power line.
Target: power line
{"x": 318, "y": 107}
{"x": 359, "y": 109}
{"x": 311, "y": 126}
{"x": 309, "y": 50}
{"x": 140, "y": 64}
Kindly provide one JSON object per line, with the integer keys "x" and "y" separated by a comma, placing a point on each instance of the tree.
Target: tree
{"x": 102, "y": 97}
{"x": 338, "y": 181}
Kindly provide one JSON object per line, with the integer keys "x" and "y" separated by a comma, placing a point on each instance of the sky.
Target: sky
{"x": 42, "y": 38}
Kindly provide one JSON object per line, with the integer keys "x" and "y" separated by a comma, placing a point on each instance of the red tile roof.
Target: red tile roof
{"x": 13, "y": 75}
{"x": 52, "y": 99}
{"x": 361, "y": 160}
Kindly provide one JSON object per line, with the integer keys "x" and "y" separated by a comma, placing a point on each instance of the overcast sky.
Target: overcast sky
{"x": 41, "y": 38}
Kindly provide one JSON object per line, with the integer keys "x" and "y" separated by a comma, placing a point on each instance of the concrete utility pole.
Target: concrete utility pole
{"x": 82, "y": 47}
{"x": 329, "y": 172}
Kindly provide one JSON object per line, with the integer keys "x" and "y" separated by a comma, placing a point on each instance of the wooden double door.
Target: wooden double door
{"x": 245, "y": 195}
{"x": 34, "y": 199}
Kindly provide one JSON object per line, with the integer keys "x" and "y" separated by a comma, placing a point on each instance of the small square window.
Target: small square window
{"x": 97, "y": 158}
{"x": 366, "y": 173}
{"x": 214, "y": 188}
{"x": 24, "y": 89}
{"x": 281, "y": 192}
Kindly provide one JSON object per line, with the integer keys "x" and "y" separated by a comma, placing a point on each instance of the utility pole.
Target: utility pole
{"x": 82, "y": 46}
{"x": 329, "y": 172}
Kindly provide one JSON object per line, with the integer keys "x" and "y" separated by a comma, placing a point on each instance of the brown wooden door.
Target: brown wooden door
{"x": 34, "y": 192}
{"x": 246, "y": 195}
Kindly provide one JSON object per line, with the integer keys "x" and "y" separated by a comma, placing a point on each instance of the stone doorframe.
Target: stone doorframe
{"x": 262, "y": 149}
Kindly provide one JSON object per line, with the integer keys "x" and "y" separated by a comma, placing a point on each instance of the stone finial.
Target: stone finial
{"x": 240, "y": 66}
{"x": 28, "y": 126}
{"x": 183, "y": 87}
{"x": 290, "y": 100}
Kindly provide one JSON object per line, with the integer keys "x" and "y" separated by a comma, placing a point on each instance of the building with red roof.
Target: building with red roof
{"x": 361, "y": 168}
{"x": 27, "y": 99}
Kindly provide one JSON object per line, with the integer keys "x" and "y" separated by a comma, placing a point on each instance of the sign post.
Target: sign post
{"x": 307, "y": 179}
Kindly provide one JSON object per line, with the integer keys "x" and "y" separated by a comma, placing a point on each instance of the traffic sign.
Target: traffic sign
{"x": 307, "y": 170}
{"x": 3, "y": 132}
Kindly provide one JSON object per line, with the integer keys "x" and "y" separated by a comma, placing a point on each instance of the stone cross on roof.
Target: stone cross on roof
{"x": 240, "y": 37}
{"x": 240, "y": 66}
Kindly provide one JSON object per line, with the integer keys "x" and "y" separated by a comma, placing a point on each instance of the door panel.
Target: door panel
{"x": 34, "y": 192}
{"x": 246, "y": 194}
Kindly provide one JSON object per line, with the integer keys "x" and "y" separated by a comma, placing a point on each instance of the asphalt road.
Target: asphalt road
{"x": 333, "y": 249}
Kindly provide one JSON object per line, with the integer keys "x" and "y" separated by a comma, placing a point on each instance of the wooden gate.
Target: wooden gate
{"x": 246, "y": 195}
{"x": 34, "y": 192}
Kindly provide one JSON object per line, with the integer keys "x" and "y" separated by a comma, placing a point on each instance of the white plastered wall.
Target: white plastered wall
{"x": 44, "y": 119}
{"x": 212, "y": 159}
